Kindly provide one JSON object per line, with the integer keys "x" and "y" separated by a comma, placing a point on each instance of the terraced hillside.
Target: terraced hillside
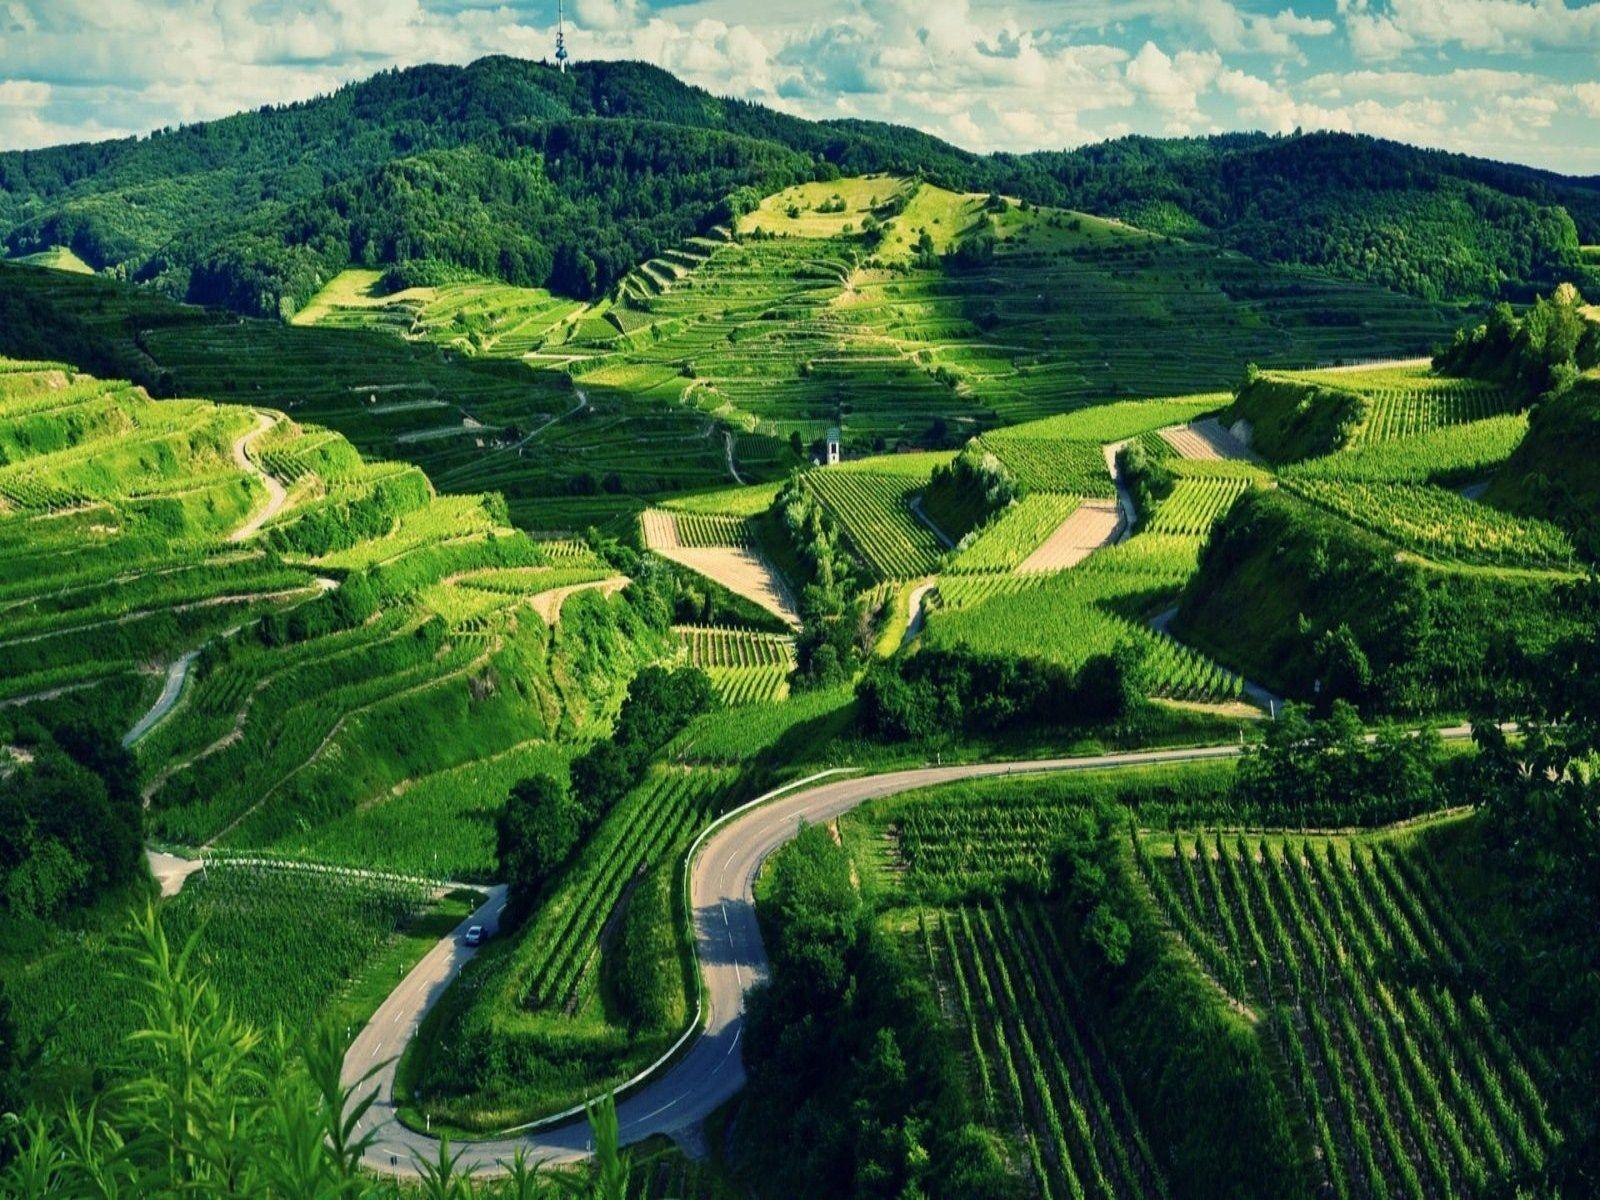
{"x": 1407, "y": 1080}
{"x": 1345, "y": 959}
{"x": 363, "y": 634}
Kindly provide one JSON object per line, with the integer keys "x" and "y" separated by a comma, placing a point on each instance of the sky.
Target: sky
{"x": 1509, "y": 79}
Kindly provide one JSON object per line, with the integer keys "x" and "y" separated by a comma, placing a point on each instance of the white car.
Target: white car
{"x": 475, "y": 935}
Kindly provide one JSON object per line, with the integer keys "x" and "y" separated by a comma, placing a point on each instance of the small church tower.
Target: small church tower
{"x": 830, "y": 454}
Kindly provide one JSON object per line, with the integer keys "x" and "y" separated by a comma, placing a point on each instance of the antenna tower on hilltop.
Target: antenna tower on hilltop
{"x": 561, "y": 36}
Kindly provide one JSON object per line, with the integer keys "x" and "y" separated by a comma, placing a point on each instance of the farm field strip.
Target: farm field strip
{"x": 1409, "y": 1086}
{"x": 1024, "y": 1031}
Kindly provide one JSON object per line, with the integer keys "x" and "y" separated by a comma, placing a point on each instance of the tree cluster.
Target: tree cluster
{"x": 854, "y": 1088}
{"x": 1309, "y": 771}
{"x": 1542, "y": 351}
{"x": 939, "y": 692}
{"x": 70, "y": 821}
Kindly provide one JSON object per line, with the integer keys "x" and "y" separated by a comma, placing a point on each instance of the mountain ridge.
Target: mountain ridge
{"x": 255, "y": 211}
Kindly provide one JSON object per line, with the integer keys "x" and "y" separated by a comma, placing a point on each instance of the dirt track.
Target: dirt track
{"x": 743, "y": 572}
{"x": 1092, "y": 525}
{"x": 1207, "y": 440}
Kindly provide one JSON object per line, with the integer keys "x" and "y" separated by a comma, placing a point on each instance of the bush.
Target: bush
{"x": 941, "y": 691}
{"x": 534, "y": 834}
{"x": 646, "y": 972}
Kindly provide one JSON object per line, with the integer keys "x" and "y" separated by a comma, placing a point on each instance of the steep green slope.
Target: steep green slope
{"x": 258, "y": 209}
{"x": 1555, "y": 473}
{"x": 330, "y": 628}
{"x": 1315, "y": 607}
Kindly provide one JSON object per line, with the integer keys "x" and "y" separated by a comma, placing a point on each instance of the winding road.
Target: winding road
{"x": 171, "y": 689}
{"x": 674, "y": 1095}
{"x": 276, "y": 495}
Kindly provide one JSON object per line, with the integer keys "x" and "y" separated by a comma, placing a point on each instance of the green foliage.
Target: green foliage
{"x": 1292, "y": 419}
{"x": 940, "y": 692}
{"x": 1312, "y": 772}
{"x": 1146, "y": 477}
{"x": 659, "y": 703}
{"x": 1301, "y": 601}
{"x": 202, "y": 1102}
{"x": 851, "y": 1083}
{"x": 1531, "y": 864}
{"x": 1552, "y": 474}
{"x": 1421, "y": 221}
{"x": 1541, "y": 351}
{"x": 534, "y": 834}
{"x": 965, "y": 493}
{"x": 646, "y": 969}
{"x": 69, "y": 821}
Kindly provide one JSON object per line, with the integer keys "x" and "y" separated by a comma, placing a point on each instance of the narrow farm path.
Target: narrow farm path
{"x": 171, "y": 689}
{"x": 916, "y": 618}
{"x": 1093, "y": 525}
{"x": 548, "y": 604}
{"x": 1130, "y": 511}
{"x": 727, "y": 450}
{"x": 1206, "y": 440}
{"x": 706, "y": 1068}
{"x": 277, "y": 495}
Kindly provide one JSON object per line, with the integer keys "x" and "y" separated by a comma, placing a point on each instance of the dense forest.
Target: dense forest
{"x": 513, "y": 170}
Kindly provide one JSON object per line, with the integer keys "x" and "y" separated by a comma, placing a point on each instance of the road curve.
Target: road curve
{"x": 276, "y": 495}
{"x": 732, "y": 960}
{"x": 171, "y": 689}
{"x": 731, "y": 956}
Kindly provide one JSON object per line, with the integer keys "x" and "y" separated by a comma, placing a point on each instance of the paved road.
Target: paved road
{"x": 673, "y": 1099}
{"x": 170, "y": 690}
{"x": 732, "y": 960}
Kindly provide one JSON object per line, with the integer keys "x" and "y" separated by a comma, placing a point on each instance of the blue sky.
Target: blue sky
{"x": 1514, "y": 79}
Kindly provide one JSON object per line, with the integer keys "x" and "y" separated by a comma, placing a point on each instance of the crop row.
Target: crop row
{"x": 697, "y": 530}
{"x": 1195, "y": 505}
{"x": 1005, "y": 542}
{"x": 1407, "y": 1084}
{"x": 657, "y": 816}
{"x": 874, "y": 511}
{"x": 1441, "y": 523}
{"x": 714, "y": 647}
{"x": 1038, "y": 1061}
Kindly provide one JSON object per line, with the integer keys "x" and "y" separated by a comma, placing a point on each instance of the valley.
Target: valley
{"x": 865, "y": 678}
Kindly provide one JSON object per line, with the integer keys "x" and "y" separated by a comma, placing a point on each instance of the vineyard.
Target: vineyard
{"x": 745, "y": 667}
{"x": 538, "y": 999}
{"x": 1195, "y": 505}
{"x": 874, "y": 510}
{"x": 1005, "y": 542}
{"x": 1404, "y": 401}
{"x": 1092, "y": 609}
{"x": 1035, "y": 1061}
{"x": 318, "y": 932}
{"x": 1455, "y": 453}
{"x": 1441, "y": 524}
{"x": 1348, "y": 951}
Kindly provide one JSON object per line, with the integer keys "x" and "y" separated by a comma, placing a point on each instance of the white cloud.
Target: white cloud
{"x": 1381, "y": 31}
{"x": 1229, "y": 29}
{"x": 1173, "y": 83}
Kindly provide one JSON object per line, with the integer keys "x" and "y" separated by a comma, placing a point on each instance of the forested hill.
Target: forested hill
{"x": 511, "y": 169}
{"x": 1438, "y": 225}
